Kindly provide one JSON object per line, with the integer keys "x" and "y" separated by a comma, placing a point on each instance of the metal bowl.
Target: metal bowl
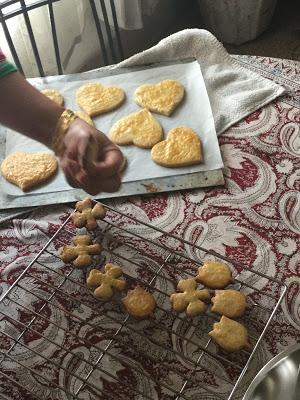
{"x": 279, "y": 379}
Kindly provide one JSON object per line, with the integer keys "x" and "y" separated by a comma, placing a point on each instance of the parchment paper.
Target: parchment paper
{"x": 195, "y": 112}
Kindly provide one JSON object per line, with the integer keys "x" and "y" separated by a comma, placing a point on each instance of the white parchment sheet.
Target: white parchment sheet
{"x": 194, "y": 112}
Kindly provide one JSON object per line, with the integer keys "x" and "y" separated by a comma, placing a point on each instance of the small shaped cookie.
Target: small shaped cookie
{"x": 181, "y": 149}
{"x": 81, "y": 253}
{"x": 95, "y": 99}
{"x": 86, "y": 118}
{"x": 230, "y": 335}
{"x": 106, "y": 282}
{"x": 139, "y": 128}
{"x": 230, "y": 303}
{"x": 87, "y": 213}
{"x": 214, "y": 274}
{"x": 27, "y": 170}
{"x": 54, "y": 95}
{"x": 139, "y": 303}
{"x": 161, "y": 98}
{"x": 190, "y": 300}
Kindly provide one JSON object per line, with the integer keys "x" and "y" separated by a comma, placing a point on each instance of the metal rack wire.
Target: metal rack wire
{"x": 111, "y": 52}
{"x": 178, "y": 347}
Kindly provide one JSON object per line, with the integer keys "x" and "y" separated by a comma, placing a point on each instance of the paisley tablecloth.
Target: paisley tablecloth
{"x": 254, "y": 219}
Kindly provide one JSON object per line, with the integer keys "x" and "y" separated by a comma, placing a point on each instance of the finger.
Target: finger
{"x": 109, "y": 166}
{"x": 71, "y": 170}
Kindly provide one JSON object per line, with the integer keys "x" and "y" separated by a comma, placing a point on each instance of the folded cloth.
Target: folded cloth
{"x": 233, "y": 90}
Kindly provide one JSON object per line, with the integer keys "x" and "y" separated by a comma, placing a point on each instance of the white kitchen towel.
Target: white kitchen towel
{"x": 233, "y": 90}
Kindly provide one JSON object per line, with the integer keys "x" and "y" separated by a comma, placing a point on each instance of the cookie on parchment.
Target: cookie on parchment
{"x": 139, "y": 128}
{"x": 96, "y": 99}
{"x": 161, "y": 98}
{"x": 181, "y": 148}
{"x": 27, "y": 170}
{"x": 54, "y": 95}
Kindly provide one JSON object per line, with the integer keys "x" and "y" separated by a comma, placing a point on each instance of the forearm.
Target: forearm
{"x": 26, "y": 110}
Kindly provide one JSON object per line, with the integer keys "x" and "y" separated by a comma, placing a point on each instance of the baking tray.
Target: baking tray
{"x": 157, "y": 185}
{"x": 168, "y": 352}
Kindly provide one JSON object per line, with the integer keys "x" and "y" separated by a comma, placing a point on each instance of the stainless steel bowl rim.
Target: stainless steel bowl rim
{"x": 263, "y": 372}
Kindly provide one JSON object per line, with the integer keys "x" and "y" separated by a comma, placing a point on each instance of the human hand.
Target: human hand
{"x": 90, "y": 160}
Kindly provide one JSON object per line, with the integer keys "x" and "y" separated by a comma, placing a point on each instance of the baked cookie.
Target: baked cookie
{"x": 104, "y": 283}
{"x": 190, "y": 300}
{"x": 81, "y": 253}
{"x": 139, "y": 303}
{"x": 230, "y": 335}
{"x": 95, "y": 99}
{"x": 214, "y": 274}
{"x": 27, "y": 170}
{"x": 230, "y": 303}
{"x": 87, "y": 213}
{"x": 85, "y": 117}
{"x": 54, "y": 95}
{"x": 181, "y": 148}
{"x": 161, "y": 98}
{"x": 139, "y": 128}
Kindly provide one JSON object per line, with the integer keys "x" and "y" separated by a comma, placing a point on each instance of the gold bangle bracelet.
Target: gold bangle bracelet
{"x": 65, "y": 120}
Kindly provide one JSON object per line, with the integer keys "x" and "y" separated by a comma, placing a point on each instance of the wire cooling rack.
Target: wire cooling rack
{"x": 73, "y": 346}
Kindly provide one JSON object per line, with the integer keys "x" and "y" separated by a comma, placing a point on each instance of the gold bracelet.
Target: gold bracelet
{"x": 65, "y": 120}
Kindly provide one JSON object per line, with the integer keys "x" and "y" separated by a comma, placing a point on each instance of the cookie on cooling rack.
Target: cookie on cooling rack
{"x": 230, "y": 335}
{"x": 139, "y": 303}
{"x": 81, "y": 253}
{"x": 104, "y": 283}
{"x": 87, "y": 214}
{"x": 190, "y": 300}
{"x": 230, "y": 303}
{"x": 214, "y": 274}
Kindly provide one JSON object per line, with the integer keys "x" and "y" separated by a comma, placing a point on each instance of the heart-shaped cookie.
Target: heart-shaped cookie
{"x": 161, "y": 98}
{"x": 28, "y": 169}
{"x": 139, "y": 128}
{"x": 181, "y": 148}
{"x": 54, "y": 95}
{"x": 96, "y": 99}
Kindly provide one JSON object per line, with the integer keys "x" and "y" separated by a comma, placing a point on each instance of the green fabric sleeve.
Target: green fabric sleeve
{"x": 6, "y": 68}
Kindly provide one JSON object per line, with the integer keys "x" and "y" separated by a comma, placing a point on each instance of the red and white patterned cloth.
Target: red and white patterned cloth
{"x": 254, "y": 218}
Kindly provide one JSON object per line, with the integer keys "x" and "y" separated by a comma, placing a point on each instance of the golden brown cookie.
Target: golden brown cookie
{"x": 81, "y": 253}
{"x": 139, "y": 128}
{"x": 229, "y": 334}
{"x": 190, "y": 300}
{"x": 214, "y": 274}
{"x": 230, "y": 303}
{"x": 54, "y": 95}
{"x": 161, "y": 98}
{"x": 27, "y": 170}
{"x": 139, "y": 303}
{"x": 95, "y": 99}
{"x": 85, "y": 117}
{"x": 104, "y": 283}
{"x": 181, "y": 148}
{"x": 87, "y": 213}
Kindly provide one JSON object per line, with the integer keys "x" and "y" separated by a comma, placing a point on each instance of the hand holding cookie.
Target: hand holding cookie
{"x": 90, "y": 160}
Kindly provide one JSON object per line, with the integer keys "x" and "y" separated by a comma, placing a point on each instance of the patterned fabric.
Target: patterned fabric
{"x": 254, "y": 219}
{"x": 5, "y": 66}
